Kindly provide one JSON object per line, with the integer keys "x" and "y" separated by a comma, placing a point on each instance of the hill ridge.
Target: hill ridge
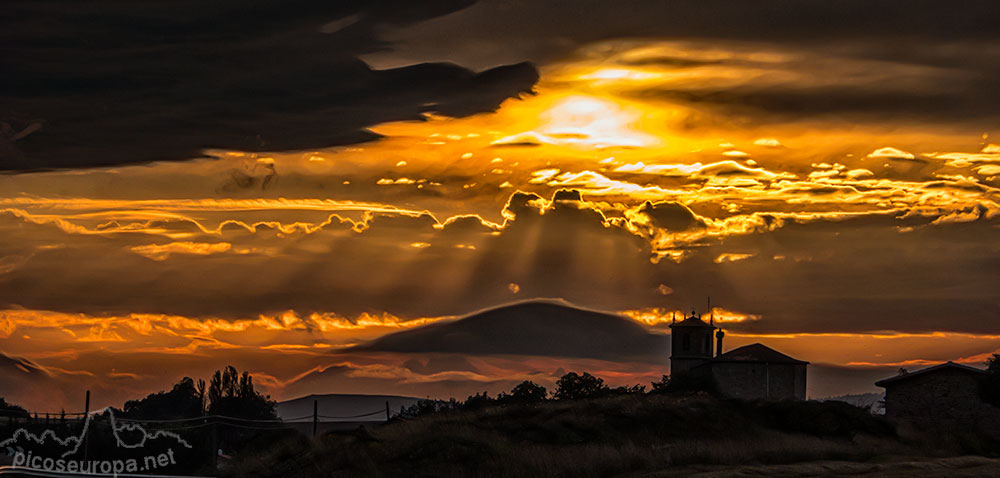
{"x": 539, "y": 327}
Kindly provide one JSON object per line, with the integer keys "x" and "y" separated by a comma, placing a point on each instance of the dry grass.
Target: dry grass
{"x": 615, "y": 436}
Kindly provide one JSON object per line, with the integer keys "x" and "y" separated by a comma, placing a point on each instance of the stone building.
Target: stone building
{"x": 690, "y": 343}
{"x": 751, "y": 372}
{"x": 948, "y": 391}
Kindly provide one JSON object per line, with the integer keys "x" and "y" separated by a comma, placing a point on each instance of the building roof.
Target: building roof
{"x": 937, "y": 368}
{"x": 759, "y": 353}
{"x": 692, "y": 321}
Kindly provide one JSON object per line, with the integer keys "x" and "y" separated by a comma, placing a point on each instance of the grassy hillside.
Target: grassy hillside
{"x": 612, "y": 436}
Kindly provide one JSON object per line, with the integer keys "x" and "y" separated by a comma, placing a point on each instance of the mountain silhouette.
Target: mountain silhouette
{"x": 18, "y": 373}
{"x": 537, "y": 327}
{"x": 17, "y": 366}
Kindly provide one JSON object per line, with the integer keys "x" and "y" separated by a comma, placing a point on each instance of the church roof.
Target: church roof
{"x": 692, "y": 321}
{"x": 756, "y": 353}
{"x": 936, "y": 368}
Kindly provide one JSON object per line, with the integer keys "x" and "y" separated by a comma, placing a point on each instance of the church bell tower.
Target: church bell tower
{"x": 690, "y": 343}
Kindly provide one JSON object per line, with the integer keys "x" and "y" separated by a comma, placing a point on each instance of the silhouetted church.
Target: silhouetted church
{"x": 750, "y": 372}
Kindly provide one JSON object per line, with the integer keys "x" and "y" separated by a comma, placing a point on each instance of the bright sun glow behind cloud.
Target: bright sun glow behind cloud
{"x": 585, "y": 121}
{"x": 596, "y": 122}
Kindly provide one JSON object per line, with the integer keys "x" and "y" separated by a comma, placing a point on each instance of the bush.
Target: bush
{"x": 661, "y": 386}
{"x": 626, "y": 390}
{"x": 683, "y": 382}
{"x": 428, "y": 406}
{"x": 478, "y": 401}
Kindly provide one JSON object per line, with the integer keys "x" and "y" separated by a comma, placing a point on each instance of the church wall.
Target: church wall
{"x": 682, "y": 365}
{"x": 754, "y": 380}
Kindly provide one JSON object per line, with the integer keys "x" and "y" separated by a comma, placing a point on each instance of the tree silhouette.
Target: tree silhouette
{"x": 228, "y": 393}
{"x": 524, "y": 393}
{"x": 233, "y": 394}
{"x": 11, "y": 410}
{"x": 528, "y": 391}
{"x": 575, "y": 386}
{"x": 182, "y": 401}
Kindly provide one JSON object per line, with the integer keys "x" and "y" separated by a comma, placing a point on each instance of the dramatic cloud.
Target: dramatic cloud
{"x": 897, "y": 60}
{"x": 827, "y": 172}
{"x": 107, "y": 84}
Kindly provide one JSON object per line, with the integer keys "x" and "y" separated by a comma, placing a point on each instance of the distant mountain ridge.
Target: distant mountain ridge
{"x": 20, "y": 367}
{"x": 537, "y": 327}
{"x": 869, "y": 401}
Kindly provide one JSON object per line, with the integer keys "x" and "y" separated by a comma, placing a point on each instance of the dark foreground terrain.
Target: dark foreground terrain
{"x": 957, "y": 467}
{"x": 634, "y": 435}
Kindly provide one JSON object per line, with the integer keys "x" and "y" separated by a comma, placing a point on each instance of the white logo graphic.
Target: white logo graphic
{"x": 73, "y": 444}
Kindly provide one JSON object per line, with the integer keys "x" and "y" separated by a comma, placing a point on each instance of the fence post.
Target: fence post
{"x": 387, "y": 411}
{"x": 215, "y": 443}
{"x": 86, "y": 414}
{"x": 315, "y": 416}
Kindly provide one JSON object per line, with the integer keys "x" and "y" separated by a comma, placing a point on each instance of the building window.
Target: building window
{"x": 686, "y": 342}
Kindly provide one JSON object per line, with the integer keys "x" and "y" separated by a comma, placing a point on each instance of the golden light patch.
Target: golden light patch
{"x": 161, "y": 252}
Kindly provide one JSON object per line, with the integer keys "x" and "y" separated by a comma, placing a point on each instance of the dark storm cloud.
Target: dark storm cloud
{"x": 937, "y": 60}
{"x": 499, "y": 30}
{"x": 436, "y": 363}
{"x": 109, "y": 83}
{"x": 968, "y": 98}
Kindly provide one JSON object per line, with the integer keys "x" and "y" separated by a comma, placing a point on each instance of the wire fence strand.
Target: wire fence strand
{"x": 208, "y": 419}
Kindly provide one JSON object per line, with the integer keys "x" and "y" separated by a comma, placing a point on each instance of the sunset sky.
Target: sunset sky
{"x": 269, "y": 184}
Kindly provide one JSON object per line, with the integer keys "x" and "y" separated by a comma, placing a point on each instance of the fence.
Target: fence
{"x": 17, "y": 415}
{"x": 207, "y": 431}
